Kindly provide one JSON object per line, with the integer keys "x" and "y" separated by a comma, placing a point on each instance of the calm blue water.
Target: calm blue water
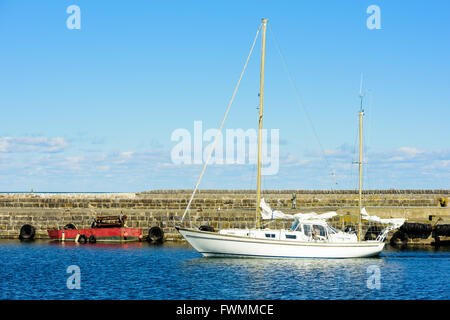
{"x": 175, "y": 271}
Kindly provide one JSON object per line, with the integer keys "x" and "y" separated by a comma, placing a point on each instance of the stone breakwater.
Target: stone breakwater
{"x": 219, "y": 208}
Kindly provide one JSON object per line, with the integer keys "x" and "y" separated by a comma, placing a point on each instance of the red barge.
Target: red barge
{"x": 106, "y": 228}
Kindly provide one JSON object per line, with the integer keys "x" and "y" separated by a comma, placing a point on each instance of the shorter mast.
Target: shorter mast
{"x": 261, "y": 95}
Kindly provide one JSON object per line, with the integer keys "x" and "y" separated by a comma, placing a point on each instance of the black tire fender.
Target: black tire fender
{"x": 82, "y": 239}
{"x": 155, "y": 234}
{"x": 27, "y": 232}
{"x": 399, "y": 238}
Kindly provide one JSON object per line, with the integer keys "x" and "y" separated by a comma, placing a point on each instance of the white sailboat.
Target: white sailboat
{"x": 310, "y": 235}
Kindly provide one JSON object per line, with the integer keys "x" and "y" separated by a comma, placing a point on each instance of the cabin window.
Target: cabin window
{"x": 319, "y": 230}
{"x": 270, "y": 235}
{"x": 307, "y": 229}
{"x": 291, "y": 236}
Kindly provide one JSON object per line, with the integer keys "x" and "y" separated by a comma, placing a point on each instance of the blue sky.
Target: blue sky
{"x": 94, "y": 109}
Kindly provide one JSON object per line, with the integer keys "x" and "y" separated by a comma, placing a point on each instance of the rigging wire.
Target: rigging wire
{"x": 369, "y": 138}
{"x": 354, "y": 158}
{"x": 253, "y": 181}
{"x": 219, "y": 131}
{"x": 299, "y": 101}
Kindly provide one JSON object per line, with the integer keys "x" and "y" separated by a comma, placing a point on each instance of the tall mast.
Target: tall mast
{"x": 261, "y": 95}
{"x": 361, "y": 114}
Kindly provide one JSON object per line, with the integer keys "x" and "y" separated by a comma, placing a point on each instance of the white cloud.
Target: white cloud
{"x": 410, "y": 152}
{"x": 290, "y": 160}
{"x": 33, "y": 144}
{"x": 127, "y": 154}
{"x": 342, "y": 151}
{"x": 135, "y": 170}
{"x": 439, "y": 164}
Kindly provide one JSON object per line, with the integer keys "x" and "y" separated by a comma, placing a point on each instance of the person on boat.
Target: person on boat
{"x": 294, "y": 200}
{"x": 317, "y": 234}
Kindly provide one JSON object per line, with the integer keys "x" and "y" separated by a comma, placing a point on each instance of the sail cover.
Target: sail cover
{"x": 268, "y": 214}
{"x": 396, "y": 222}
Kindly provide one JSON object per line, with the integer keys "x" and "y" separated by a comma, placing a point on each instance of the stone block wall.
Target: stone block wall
{"x": 219, "y": 208}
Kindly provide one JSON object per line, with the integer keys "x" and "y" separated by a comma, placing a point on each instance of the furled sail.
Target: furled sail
{"x": 268, "y": 214}
{"x": 395, "y": 222}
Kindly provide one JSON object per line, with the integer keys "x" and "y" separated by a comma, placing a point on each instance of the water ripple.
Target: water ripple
{"x": 175, "y": 271}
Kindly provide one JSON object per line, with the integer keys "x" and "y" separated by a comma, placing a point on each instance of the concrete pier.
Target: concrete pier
{"x": 219, "y": 208}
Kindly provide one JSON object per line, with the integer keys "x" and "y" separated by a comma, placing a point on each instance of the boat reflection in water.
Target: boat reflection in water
{"x": 117, "y": 245}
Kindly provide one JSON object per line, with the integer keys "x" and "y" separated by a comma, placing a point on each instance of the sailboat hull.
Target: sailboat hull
{"x": 211, "y": 244}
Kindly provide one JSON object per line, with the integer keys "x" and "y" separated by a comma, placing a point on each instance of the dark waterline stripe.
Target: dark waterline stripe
{"x": 263, "y": 256}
